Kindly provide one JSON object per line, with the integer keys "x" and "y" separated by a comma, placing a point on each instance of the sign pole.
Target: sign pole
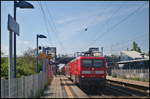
{"x": 13, "y": 26}
{"x": 10, "y": 73}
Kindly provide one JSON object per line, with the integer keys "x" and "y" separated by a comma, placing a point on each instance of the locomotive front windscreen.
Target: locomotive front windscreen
{"x": 86, "y": 62}
{"x": 92, "y": 62}
{"x": 98, "y": 63}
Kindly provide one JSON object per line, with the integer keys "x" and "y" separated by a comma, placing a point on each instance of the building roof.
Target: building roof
{"x": 134, "y": 54}
{"x": 130, "y": 61}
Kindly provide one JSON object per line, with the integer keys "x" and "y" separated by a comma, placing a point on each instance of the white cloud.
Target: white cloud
{"x": 4, "y": 49}
{"x": 23, "y": 45}
{"x": 74, "y": 24}
{"x": 66, "y": 20}
{"x": 24, "y": 42}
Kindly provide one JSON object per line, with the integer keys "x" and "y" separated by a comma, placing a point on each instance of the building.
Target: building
{"x": 133, "y": 64}
{"x": 131, "y": 55}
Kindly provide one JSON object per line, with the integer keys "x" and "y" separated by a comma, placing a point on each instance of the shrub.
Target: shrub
{"x": 114, "y": 75}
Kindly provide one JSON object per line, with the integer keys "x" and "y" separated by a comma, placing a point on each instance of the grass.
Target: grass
{"x": 139, "y": 79}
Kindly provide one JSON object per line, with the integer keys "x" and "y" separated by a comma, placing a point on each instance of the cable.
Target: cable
{"x": 87, "y": 27}
{"x": 44, "y": 17}
{"x": 129, "y": 41}
{"x": 109, "y": 17}
{"x": 114, "y": 26}
{"x": 55, "y": 29}
{"x": 133, "y": 40}
{"x": 116, "y": 11}
{"x": 125, "y": 41}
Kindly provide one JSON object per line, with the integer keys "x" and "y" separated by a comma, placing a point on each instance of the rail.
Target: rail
{"x": 142, "y": 89}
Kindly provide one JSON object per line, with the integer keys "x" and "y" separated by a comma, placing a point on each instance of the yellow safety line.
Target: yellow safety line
{"x": 70, "y": 95}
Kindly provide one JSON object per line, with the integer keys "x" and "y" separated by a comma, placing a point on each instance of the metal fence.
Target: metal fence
{"x": 24, "y": 87}
{"x": 131, "y": 73}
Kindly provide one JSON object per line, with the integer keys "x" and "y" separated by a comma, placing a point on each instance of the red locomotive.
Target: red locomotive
{"x": 87, "y": 71}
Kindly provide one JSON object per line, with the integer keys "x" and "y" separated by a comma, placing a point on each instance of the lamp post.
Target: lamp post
{"x": 38, "y": 36}
{"x": 20, "y": 4}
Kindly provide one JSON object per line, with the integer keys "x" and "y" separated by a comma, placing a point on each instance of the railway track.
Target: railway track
{"x": 119, "y": 90}
{"x": 112, "y": 90}
{"x": 130, "y": 89}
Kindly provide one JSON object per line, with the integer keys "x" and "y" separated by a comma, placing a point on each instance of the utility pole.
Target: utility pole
{"x": 111, "y": 49}
{"x": 20, "y": 4}
{"x": 37, "y": 53}
{"x": 38, "y": 36}
{"x": 102, "y": 50}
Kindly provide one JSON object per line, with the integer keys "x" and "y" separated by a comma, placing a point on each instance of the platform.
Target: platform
{"x": 55, "y": 90}
{"x": 140, "y": 83}
{"x": 62, "y": 87}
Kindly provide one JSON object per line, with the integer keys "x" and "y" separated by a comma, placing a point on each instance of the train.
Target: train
{"x": 87, "y": 71}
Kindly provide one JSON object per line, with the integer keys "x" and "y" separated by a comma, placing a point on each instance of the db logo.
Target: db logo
{"x": 92, "y": 68}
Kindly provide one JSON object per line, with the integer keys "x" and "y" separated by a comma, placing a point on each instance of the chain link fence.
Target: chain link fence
{"x": 25, "y": 87}
{"x": 131, "y": 73}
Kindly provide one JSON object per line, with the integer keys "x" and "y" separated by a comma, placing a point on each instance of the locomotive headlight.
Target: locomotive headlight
{"x": 86, "y": 72}
{"x": 82, "y": 76}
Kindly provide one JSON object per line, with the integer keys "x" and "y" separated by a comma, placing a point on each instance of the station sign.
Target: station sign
{"x": 49, "y": 57}
{"x": 42, "y": 55}
{"x": 13, "y": 26}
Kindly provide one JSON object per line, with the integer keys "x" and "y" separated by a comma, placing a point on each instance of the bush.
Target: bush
{"x": 114, "y": 75}
{"x": 4, "y": 67}
{"x": 123, "y": 77}
{"x": 25, "y": 65}
{"x": 139, "y": 79}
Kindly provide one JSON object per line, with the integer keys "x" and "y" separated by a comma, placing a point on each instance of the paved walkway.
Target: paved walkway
{"x": 62, "y": 87}
{"x": 55, "y": 90}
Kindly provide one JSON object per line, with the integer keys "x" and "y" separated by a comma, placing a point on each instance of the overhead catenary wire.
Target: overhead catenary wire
{"x": 53, "y": 27}
{"x": 116, "y": 11}
{"x": 111, "y": 16}
{"x": 129, "y": 40}
{"x": 136, "y": 38}
{"x": 117, "y": 24}
{"x": 139, "y": 37}
{"x": 86, "y": 28}
{"x": 100, "y": 14}
{"x": 117, "y": 44}
{"x": 45, "y": 21}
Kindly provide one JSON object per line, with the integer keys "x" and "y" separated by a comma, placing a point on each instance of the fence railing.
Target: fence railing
{"x": 24, "y": 87}
{"x": 131, "y": 73}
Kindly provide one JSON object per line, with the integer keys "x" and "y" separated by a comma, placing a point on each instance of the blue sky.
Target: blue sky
{"x": 110, "y": 25}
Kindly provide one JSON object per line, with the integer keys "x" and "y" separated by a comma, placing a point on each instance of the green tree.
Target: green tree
{"x": 25, "y": 64}
{"x": 2, "y": 53}
{"x": 4, "y": 67}
{"x": 135, "y": 47}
